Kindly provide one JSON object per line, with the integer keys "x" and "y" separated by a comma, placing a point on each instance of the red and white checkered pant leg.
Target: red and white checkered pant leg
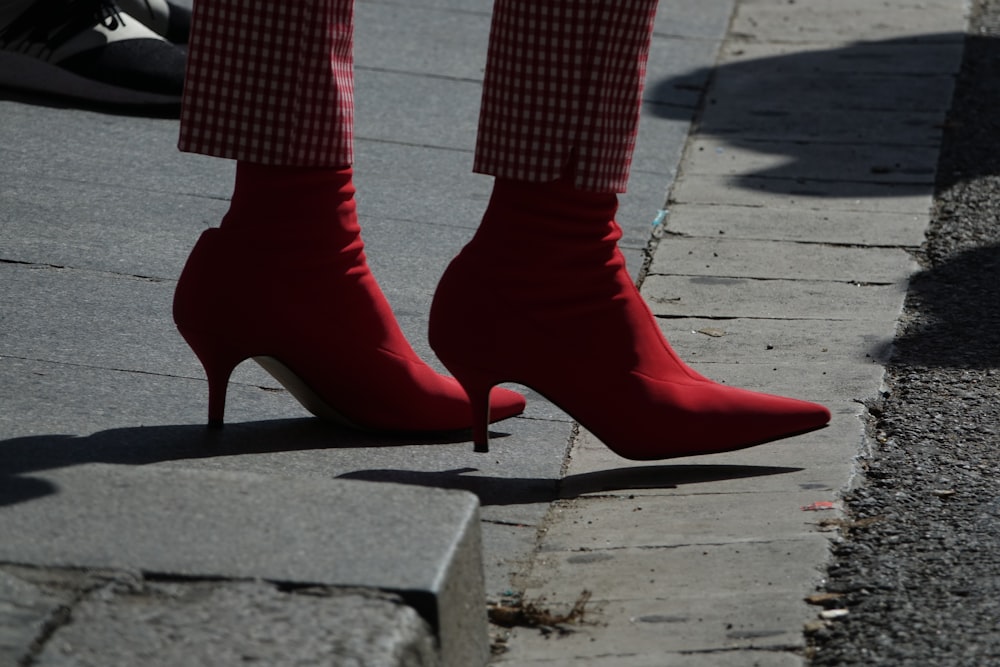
{"x": 563, "y": 90}
{"x": 271, "y": 82}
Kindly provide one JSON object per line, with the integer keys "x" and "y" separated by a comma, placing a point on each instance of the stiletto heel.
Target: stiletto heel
{"x": 218, "y": 385}
{"x": 284, "y": 281}
{"x": 219, "y": 364}
{"x": 478, "y": 386}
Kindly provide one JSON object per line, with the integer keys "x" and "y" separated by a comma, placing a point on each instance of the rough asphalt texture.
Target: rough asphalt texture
{"x": 919, "y": 569}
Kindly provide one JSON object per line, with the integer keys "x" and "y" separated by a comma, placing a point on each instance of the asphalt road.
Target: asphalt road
{"x": 918, "y": 570}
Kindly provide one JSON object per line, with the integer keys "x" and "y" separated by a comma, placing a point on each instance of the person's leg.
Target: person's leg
{"x": 541, "y": 295}
{"x": 562, "y": 91}
{"x": 284, "y": 280}
{"x": 271, "y": 82}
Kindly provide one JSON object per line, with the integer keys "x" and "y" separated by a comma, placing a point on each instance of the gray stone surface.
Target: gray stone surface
{"x": 779, "y": 159}
{"x": 775, "y": 342}
{"x": 122, "y": 624}
{"x": 423, "y": 543}
{"x": 755, "y": 191}
{"x": 807, "y": 261}
{"x": 443, "y": 40}
{"x": 725, "y": 297}
{"x": 27, "y": 612}
{"x": 734, "y": 658}
{"x": 805, "y": 224}
{"x": 837, "y": 20}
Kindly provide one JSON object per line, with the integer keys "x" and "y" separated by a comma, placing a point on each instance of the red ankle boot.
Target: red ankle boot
{"x": 284, "y": 281}
{"x": 541, "y": 297}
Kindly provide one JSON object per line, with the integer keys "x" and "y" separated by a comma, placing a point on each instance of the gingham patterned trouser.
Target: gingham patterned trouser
{"x": 271, "y": 82}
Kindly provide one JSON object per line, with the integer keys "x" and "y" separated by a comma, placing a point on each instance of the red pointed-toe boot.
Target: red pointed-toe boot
{"x": 284, "y": 281}
{"x": 541, "y": 297}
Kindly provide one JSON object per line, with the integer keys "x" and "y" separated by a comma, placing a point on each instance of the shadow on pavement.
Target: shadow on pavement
{"x": 882, "y": 96}
{"x": 957, "y": 295}
{"x": 156, "y": 444}
{"x": 505, "y": 491}
{"x": 19, "y": 457}
{"x": 959, "y": 303}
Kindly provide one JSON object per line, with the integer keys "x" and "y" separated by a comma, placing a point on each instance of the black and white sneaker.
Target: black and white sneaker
{"x": 90, "y": 50}
{"x": 167, "y": 19}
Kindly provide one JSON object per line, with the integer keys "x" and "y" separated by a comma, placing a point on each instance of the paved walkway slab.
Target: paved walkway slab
{"x": 421, "y": 543}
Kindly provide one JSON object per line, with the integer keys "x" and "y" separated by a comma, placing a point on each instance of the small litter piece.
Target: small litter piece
{"x": 943, "y": 493}
{"x": 833, "y": 614}
{"x": 714, "y": 333}
{"x": 849, "y": 524}
{"x": 819, "y": 506}
{"x": 532, "y": 615}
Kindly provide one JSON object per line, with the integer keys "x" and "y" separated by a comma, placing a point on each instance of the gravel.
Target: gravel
{"x": 918, "y": 568}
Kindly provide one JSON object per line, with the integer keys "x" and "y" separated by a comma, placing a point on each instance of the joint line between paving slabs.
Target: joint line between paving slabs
{"x": 765, "y": 279}
{"x": 64, "y": 267}
{"x": 60, "y": 617}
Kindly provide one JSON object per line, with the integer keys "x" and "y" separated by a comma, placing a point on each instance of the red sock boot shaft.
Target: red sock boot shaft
{"x": 284, "y": 280}
{"x": 541, "y": 296}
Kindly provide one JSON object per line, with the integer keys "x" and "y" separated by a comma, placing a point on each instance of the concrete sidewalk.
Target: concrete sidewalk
{"x": 797, "y": 144}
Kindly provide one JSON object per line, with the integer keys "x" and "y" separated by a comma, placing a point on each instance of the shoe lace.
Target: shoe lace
{"x": 50, "y": 23}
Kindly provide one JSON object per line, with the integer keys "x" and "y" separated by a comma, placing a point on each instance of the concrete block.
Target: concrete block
{"x": 803, "y": 194}
{"x": 777, "y": 259}
{"x": 26, "y": 610}
{"x": 735, "y": 658}
{"x": 805, "y": 224}
{"x": 633, "y": 630}
{"x": 919, "y": 57}
{"x": 927, "y": 93}
{"x": 681, "y": 518}
{"x": 786, "y": 467}
{"x": 758, "y": 121}
{"x": 839, "y": 20}
{"x": 678, "y": 573}
{"x": 232, "y": 623}
{"x": 773, "y": 342}
{"x": 856, "y": 163}
{"x": 421, "y": 543}
{"x": 718, "y": 297}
